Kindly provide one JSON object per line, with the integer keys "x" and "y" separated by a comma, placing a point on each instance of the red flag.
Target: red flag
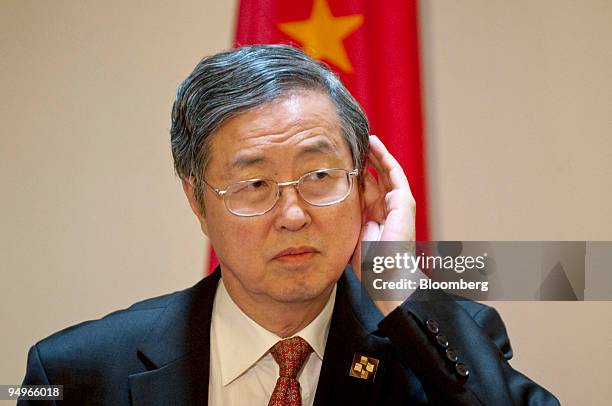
{"x": 374, "y": 48}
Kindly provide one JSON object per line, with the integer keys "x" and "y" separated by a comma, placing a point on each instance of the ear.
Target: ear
{"x": 361, "y": 188}
{"x": 363, "y": 179}
{"x": 371, "y": 199}
{"x": 189, "y": 189}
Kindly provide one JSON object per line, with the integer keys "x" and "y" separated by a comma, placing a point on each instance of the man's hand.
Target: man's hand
{"x": 389, "y": 208}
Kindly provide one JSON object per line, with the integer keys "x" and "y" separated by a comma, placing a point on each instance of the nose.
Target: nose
{"x": 293, "y": 214}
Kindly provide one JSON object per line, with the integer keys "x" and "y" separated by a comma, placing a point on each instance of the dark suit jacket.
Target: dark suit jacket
{"x": 157, "y": 353}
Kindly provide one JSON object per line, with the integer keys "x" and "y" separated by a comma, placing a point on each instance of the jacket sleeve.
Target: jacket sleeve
{"x": 35, "y": 375}
{"x": 459, "y": 351}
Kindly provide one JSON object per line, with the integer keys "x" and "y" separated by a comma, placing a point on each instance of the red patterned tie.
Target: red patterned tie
{"x": 290, "y": 355}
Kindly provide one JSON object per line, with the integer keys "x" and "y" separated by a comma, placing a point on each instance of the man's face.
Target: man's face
{"x": 282, "y": 140}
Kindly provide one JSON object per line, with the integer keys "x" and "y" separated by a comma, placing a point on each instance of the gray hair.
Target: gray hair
{"x": 229, "y": 83}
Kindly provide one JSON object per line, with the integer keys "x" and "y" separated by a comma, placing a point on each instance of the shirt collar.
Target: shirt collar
{"x": 238, "y": 352}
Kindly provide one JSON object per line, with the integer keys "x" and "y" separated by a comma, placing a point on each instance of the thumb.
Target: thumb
{"x": 371, "y": 231}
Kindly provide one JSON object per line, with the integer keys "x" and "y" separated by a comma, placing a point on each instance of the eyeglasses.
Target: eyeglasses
{"x": 254, "y": 197}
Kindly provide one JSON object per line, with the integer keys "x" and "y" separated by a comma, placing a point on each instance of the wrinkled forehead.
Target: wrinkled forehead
{"x": 299, "y": 125}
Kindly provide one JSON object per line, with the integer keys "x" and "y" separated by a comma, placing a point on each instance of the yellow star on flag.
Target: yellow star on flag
{"x": 322, "y": 34}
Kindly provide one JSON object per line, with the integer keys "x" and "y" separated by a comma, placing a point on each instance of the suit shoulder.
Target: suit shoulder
{"x": 115, "y": 333}
{"x": 482, "y": 314}
{"x": 490, "y": 321}
{"x": 471, "y": 307}
{"x": 153, "y": 302}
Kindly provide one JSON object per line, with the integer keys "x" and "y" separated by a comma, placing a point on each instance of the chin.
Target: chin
{"x": 301, "y": 291}
{"x": 292, "y": 297}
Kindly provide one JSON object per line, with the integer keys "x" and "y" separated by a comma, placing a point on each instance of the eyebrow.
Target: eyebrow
{"x": 243, "y": 161}
{"x": 320, "y": 147}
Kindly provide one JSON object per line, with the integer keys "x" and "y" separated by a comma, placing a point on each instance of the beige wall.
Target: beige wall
{"x": 518, "y": 104}
{"x": 93, "y": 218}
{"x": 519, "y": 129}
{"x": 519, "y": 118}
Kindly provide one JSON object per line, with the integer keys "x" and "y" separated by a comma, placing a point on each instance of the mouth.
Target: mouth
{"x": 296, "y": 254}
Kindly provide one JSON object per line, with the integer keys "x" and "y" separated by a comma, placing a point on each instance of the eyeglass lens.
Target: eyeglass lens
{"x": 319, "y": 188}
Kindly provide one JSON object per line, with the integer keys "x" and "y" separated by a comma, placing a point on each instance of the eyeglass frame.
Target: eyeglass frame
{"x": 222, "y": 193}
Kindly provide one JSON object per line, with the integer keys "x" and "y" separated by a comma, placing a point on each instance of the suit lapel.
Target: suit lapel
{"x": 355, "y": 318}
{"x": 177, "y": 351}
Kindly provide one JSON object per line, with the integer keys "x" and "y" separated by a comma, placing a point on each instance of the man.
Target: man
{"x": 273, "y": 155}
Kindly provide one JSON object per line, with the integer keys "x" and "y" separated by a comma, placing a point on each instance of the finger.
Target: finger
{"x": 389, "y": 169}
{"x": 399, "y": 193}
{"x": 401, "y": 221}
{"x": 388, "y": 164}
{"x": 398, "y": 199}
{"x": 371, "y": 231}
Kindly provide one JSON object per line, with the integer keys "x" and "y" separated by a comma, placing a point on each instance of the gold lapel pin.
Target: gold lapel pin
{"x": 364, "y": 367}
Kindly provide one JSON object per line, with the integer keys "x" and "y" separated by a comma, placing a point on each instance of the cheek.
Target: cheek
{"x": 345, "y": 227}
{"x": 235, "y": 242}
{"x": 354, "y": 213}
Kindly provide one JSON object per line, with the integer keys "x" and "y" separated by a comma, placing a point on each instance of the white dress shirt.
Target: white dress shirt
{"x": 242, "y": 370}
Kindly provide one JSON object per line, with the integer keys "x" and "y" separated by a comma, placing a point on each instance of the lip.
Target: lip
{"x": 301, "y": 251}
